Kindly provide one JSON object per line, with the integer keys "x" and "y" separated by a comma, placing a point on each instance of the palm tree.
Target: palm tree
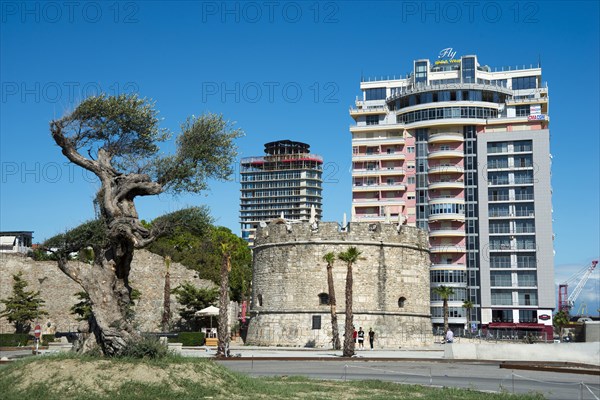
{"x": 223, "y": 331}
{"x": 444, "y": 292}
{"x": 468, "y": 306}
{"x": 350, "y": 256}
{"x": 329, "y": 258}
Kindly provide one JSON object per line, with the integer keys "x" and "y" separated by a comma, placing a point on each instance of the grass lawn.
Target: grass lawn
{"x": 80, "y": 377}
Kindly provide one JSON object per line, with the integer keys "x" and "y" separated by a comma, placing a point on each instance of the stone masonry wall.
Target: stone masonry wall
{"x": 289, "y": 274}
{"x": 58, "y": 290}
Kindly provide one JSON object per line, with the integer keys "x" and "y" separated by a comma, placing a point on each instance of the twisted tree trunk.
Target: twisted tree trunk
{"x": 106, "y": 281}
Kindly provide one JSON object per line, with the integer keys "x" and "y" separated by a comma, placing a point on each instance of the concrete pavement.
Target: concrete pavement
{"x": 431, "y": 352}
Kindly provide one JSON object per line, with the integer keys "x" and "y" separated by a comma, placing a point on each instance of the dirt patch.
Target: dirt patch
{"x": 102, "y": 376}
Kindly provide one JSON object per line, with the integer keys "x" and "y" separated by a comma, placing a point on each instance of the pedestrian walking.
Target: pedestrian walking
{"x": 361, "y": 338}
{"x": 371, "y": 338}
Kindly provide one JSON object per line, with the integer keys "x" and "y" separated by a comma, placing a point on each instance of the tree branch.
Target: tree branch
{"x": 68, "y": 149}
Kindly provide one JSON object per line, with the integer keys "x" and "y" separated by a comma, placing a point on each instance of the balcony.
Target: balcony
{"x": 377, "y": 141}
{"x": 446, "y": 199}
{"x": 445, "y": 154}
{"x": 498, "y": 198}
{"x": 374, "y": 128}
{"x": 376, "y": 187}
{"x": 446, "y": 137}
{"x": 378, "y": 171}
{"x": 378, "y": 156}
{"x": 447, "y": 217}
{"x": 450, "y": 184}
{"x": 368, "y": 217}
{"x": 377, "y": 202}
{"x": 446, "y": 267}
{"x": 448, "y": 248}
{"x": 458, "y": 232}
{"x": 367, "y": 110}
{"x": 446, "y": 169}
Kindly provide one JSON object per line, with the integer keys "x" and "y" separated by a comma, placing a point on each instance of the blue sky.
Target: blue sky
{"x": 280, "y": 70}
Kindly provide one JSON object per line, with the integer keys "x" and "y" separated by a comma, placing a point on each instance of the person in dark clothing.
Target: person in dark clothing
{"x": 371, "y": 337}
{"x": 361, "y": 338}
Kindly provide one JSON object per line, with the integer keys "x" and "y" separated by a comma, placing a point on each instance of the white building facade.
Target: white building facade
{"x": 463, "y": 152}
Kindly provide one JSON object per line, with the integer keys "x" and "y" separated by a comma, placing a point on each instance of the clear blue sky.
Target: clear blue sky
{"x": 281, "y": 70}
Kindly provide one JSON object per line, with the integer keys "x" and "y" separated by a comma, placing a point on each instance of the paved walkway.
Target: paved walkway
{"x": 432, "y": 352}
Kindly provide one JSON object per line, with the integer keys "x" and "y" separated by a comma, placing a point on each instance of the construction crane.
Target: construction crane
{"x": 565, "y": 301}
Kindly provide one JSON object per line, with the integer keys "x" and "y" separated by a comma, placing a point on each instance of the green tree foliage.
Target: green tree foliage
{"x": 23, "y": 307}
{"x": 192, "y": 300}
{"x": 83, "y": 308}
{"x": 560, "y": 320}
{"x": 118, "y": 138}
{"x": 198, "y": 247}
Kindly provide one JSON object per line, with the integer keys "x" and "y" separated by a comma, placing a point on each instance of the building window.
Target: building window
{"x": 372, "y": 119}
{"x": 522, "y": 111}
{"x": 410, "y": 149}
{"x": 421, "y": 72}
{"x": 524, "y": 82}
{"x": 401, "y": 302}
{"x": 375, "y": 94}
{"x": 323, "y": 299}
{"x": 260, "y": 300}
{"x": 528, "y": 316}
{"x": 411, "y": 180}
{"x": 316, "y": 322}
{"x": 468, "y": 70}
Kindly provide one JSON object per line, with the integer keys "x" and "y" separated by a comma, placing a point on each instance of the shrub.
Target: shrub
{"x": 145, "y": 347}
{"x": 189, "y": 338}
{"x": 13, "y": 339}
{"x": 46, "y": 339}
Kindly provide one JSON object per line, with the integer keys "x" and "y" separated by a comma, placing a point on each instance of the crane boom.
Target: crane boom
{"x": 577, "y": 291}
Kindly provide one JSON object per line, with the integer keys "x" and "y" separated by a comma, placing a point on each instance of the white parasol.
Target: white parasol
{"x": 209, "y": 311}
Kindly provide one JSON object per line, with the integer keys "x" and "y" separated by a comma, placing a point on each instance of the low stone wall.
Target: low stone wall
{"x": 58, "y": 290}
{"x": 585, "y": 353}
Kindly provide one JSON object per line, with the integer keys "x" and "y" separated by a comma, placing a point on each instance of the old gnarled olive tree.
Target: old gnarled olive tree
{"x": 117, "y": 138}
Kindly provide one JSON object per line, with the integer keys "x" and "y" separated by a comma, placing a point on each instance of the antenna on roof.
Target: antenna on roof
{"x": 539, "y": 61}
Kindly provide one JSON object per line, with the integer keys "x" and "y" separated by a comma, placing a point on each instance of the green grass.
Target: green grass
{"x": 68, "y": 376}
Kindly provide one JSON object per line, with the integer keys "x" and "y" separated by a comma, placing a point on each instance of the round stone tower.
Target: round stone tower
{"x": 290, "y": 302}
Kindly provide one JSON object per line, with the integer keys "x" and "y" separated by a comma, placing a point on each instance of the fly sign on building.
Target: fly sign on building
{"x": 446, "y": 56}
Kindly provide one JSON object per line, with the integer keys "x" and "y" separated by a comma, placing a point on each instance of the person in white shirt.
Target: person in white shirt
{"x": 449, "y": 336}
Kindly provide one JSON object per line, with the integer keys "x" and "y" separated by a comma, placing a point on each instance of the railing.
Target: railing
{"x": 418, "y": 88}
{"x": 499, "y": 197}
{"x": 524, "y": 196}
{"x": 368, "y": 109}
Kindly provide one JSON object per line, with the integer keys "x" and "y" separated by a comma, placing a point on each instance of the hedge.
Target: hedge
{"x": 13, "y": 339}
{"x": 47, "y": 338}
{"x": 23, "y": 339}
{"x": 189, "y": 338}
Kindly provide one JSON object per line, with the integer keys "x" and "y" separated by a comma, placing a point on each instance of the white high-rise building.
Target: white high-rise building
{"x": 462, "y": 150}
